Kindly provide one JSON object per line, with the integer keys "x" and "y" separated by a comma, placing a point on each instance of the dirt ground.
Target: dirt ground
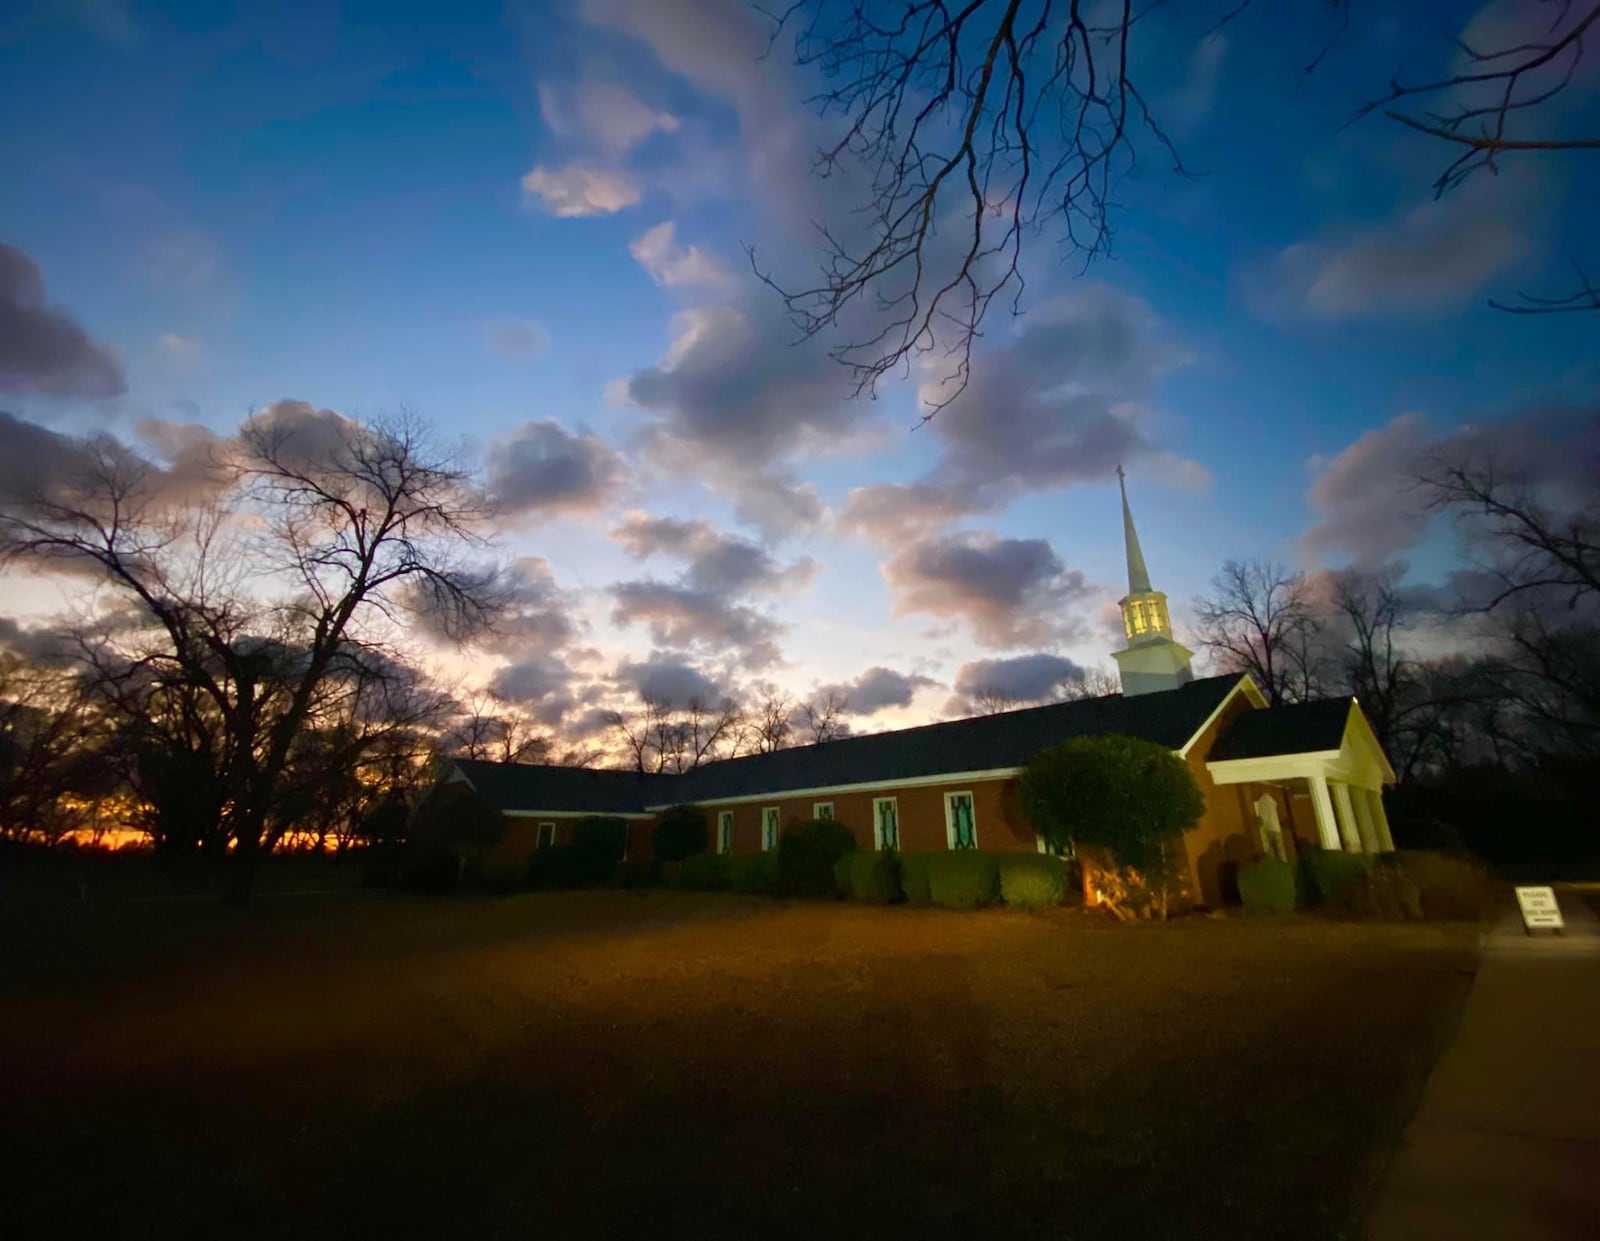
{"x": 669, "y": 1064}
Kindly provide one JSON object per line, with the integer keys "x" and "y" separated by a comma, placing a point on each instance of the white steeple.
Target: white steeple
{"x": 1151, "y": 661}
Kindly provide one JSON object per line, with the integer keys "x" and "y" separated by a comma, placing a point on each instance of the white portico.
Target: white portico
{"x": 1325, "y": 751}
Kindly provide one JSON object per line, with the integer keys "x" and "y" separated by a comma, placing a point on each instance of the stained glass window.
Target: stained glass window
{"x": 725, "y": 832}
{"x": 958, "y": 814}
{"x": 769, "y": 827}
{"x": 886, "y": 823}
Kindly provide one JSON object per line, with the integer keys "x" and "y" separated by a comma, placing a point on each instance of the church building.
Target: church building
{"x": 1275, "y": 779}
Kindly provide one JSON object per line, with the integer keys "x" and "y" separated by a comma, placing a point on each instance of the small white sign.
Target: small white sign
{"x": 1539, "y": 909}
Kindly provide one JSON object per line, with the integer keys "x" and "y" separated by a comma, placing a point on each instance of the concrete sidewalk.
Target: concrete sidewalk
{"x": 1506, "y": 1142}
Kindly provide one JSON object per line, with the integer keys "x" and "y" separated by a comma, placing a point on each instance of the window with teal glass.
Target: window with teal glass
{"x": 725, "y": 831}
{"x": 769, "y": 828}
{"x": 960, "y": 827}
{"x": 885, "y": 823}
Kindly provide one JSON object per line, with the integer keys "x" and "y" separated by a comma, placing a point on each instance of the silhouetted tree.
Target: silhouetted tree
{"x": 1260, "y": 620}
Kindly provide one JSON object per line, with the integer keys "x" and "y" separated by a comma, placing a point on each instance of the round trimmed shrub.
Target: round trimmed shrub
{"x": 1122, "y": 794}
{"x": 870, "y": 877}
{"x": 682, "y": 831}
{"x": 1034, "y": 880}
{"x": 914, "y": 878}
{"x": 755, "y": 874}
{"x": 1333, "y": 878}
{"x": 807, "y": 852}
{"x": 1449, "y": 887}
{"x": 705, "y": 872}
{"x": 963, "y": 879}
{"x": 1269, "y": 886}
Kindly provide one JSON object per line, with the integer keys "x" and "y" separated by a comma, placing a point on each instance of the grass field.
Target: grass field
{"x": 613, "y": 1064}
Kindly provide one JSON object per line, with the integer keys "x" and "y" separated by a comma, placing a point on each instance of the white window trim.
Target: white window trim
{"x": 538, "y": 834}
{"x": 817, "y": 807}
{"x": 949, "y": 819}
{"x": 725, "y": 837}
{"x": 776, "y": 812}
{"x": 877, "y": 822}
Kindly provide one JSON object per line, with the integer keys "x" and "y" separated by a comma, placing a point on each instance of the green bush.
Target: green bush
{"x": 871, "y": 877}
{"x": 754, "y": 873}
{"x": 569, "y": 866}
{"x": 963, "y": 879}
{"x": 807, "y": 852}
{"x": 1388, "y": 893}
{"x": 705, "y": 872}
{"x": 635, "y": 875}
{"x": 681, "y": 832}
{"x": 915, "y": 879}
{"x": 1034, "y": 880}
{"x": 1122, "y": 794}
{"x": 1331, "y": 878}
{"x": 1269, "y": 886}
{"x": 1449, "y": 888}
{"x": 602, "y": 834}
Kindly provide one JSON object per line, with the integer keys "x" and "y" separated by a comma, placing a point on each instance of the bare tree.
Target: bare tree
{"x": 1260, "y": 621}
{"x": 661, "y": 737}
{"x": 487, "y": 729}
{"x": 991, "y": 700}
{"x": 325, "y": 531}
{"x": 992, "y": 117}
{"x": 1089, "y": 683}
{"x": 968, "y": 124}
{"x": 822, "y": 716}
{"x": 769, "y": 720}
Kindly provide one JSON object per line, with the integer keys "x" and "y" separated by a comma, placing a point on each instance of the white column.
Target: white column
{"x": 1360, "y": 798}
{"x": 1326, "y": 829}
{"x": 1347, "y": 818}
{"x": 1380, "y": 821}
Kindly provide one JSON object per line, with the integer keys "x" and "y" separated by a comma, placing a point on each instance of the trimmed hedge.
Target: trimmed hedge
{"x": 1449, "y": 887}
{"x": 871, "y": 877}
{"x": 1034, "y": 880}
{"x": 807, "y": 853}
{"x": 705, "y": 872}
{"x": 1269, "y": 886}
{"x": 682, "y": 831}
{"x": 634, "y": 875}
{"x": 568, "y": 866}
{"x": 915, "y": 877}
{"x": 1331, "y": 878}
{"x": 963, "y": 879}
{"x": 754, "y": 873}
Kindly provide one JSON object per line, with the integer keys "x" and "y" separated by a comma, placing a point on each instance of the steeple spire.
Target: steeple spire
{"x": 1138, "y": 575}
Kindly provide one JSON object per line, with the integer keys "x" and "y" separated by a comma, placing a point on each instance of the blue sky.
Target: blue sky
{"x": 527, "y": 222}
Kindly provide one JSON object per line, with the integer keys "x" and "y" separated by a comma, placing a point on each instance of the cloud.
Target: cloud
{"x": 897, "y": 512}
{"x": 543, "y": 470}
{"x": 669, "y": 680}
{"x": 1011, "y": 592}
{"x": 540, "y": 683}
{"x": 1193, "y": 103}
{"x": 879, "y": 689}
{"x": 685, "y": 618}
{"x": 196, "y": 458}
{"x": 669, "y": 264}
{"x": 604, "y": 113}
{"x": 1433, "y": 258}
{"x": 1022, "y": 678}
{"x": 41, "y": 348}
{"x": 537, "y": 617}
{"x": 522, "y": 341}
{"x": 40, "y": 645}
{"x": 1366, "y": 504}
{"x": 720, "y": 564}
{"x": 581, "y": 190}
{"x": 179, "y": 348}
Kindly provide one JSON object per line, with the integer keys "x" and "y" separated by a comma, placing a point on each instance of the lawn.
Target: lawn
{"x": 615, "y": 1064}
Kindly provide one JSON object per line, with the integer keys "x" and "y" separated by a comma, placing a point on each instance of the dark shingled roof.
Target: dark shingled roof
{"x": 528, "y": 786}
{"x": 1009, "y": 739}
{"x": 1302, "y": 728}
